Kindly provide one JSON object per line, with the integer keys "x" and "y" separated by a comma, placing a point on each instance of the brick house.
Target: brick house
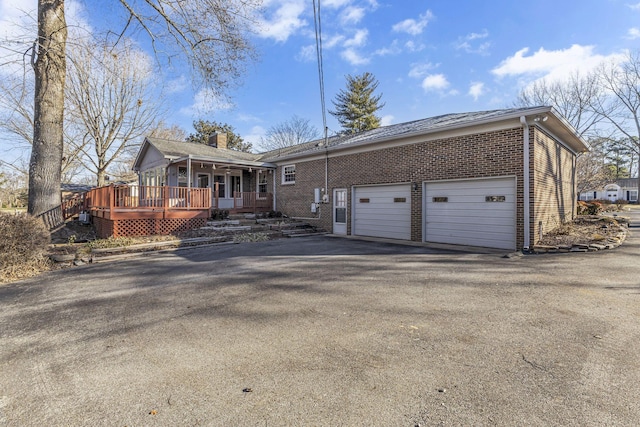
{"x": 453, "y": 179}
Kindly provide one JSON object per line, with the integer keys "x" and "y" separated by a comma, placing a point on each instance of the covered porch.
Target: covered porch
{"x": 234, "y": 185}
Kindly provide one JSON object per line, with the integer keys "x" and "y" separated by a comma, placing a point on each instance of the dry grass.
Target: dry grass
{"x": 23, "y": 244}
{"x": 585, "y": 229}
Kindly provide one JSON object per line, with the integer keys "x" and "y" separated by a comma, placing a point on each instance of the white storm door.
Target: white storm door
{"x": 340, "y": 211}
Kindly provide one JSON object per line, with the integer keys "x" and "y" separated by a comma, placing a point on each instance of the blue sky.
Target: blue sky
{"x": 430, "y": 57}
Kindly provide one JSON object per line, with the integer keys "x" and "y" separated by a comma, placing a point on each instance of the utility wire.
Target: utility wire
{"x": 318, "y": 29}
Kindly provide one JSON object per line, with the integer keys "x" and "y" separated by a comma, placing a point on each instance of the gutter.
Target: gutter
{"x": 526, "y": 184}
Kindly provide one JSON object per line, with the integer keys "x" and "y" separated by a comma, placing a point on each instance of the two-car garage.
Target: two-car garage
{"x": 474, "y": 212}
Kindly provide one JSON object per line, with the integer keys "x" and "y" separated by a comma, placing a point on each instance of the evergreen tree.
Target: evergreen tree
{"x": 204, "y": 129}
{"x": 355, "y": 106}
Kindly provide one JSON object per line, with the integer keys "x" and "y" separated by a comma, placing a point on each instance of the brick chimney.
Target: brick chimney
{"x": 218, "y": 140}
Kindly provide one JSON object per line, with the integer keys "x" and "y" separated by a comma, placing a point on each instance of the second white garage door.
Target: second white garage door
{"x": 383, "y": 211}
{"x": 478, "y": 212}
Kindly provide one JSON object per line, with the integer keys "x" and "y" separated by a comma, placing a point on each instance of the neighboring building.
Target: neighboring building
{"x": 621, "y": 189}
{"x": 456, "y": 179}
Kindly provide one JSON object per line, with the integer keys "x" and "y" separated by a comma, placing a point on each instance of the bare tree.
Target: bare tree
{"x": 592, "y": 171}
{"x": 621, "y": 108}
{"x": 109, "y": 91}
{"x": 49, "y": 64}
{"x": 210, "y": 35}
{"x": 572, "y": 98}
{"x": 173, "y": 132}
{"x": 16, "y": 120}
{"x": 294, "y": 131}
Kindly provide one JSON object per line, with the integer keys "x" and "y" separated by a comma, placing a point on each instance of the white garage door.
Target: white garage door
{"x": 383, "y": 211}
{"x": 478, "y": 212}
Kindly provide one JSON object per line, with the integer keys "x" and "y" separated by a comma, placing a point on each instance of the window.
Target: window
{"x": 633, "y": 195}
{"x": 220, "y": 180}
{"x": 182, "y": 176}
{"x": 289, "y": 174}
{"x": 153, "y": 177}
{"x": 262, "y": 183}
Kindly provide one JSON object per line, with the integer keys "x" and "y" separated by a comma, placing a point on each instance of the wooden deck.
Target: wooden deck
{"x": 144, "y": 210}
{"x": 136, "y": 202}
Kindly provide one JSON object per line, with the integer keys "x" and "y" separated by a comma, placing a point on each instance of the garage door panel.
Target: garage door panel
{"x": 455, "y": 217}
{"x": 466, "y": 217}
{"x": 383, "y": 215}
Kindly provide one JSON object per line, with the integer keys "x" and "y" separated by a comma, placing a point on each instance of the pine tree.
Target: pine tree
{"x": 355, "y": 107}
{"x": 204, "y": 129}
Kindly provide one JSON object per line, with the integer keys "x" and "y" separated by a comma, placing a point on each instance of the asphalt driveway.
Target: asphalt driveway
{"x": 328, "y": 332}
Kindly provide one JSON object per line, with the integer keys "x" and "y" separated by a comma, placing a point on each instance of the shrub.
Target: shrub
{"x": 23, "y": 244}
{"x": 582, "y": 208}
{"x": 589, "y": 208}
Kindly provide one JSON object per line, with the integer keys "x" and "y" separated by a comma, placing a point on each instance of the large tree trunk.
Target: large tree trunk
{"x": 50, "y": 74}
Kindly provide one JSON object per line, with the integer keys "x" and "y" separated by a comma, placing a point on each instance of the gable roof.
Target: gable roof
{"x": 554, "y": 122}
{"x": 627, "y": 182}
{"x": 175, "y": 151}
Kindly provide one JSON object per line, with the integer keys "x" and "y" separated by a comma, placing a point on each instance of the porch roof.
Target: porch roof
{"x": 223, "y": 162}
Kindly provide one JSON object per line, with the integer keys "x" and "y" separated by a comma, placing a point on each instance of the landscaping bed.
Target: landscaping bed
{"x": 585, "y": 233}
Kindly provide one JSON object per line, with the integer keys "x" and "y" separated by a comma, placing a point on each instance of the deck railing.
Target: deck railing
{"x": 139, "y": 198}
{"x": 124, "y": 197}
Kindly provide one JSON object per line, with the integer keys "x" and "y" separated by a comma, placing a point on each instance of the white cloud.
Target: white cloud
{"x": 353, "y": 57}
{"x": 552, "y": 65}
{"x": 352, "y": 15}
{"x": 413, "y": 26}
{"x": 307, "y": 53}
{"x": 393, "y": 49}
{"x": 255, "y": 135}
{"x": 177, "y": 85}
{"x": 466, "y": 43}
{"x": 204, "y": 102}
{"x": 335, "y": 4}
{"x": 633, "y": 33}
{"x": 333, "y": 41}
{"x": 435, "y": 82}
{"x": 359, "y": 39}
{"x": 634, "y": 6}
{"x": 284, "y": 21}
{"x": 386, "y": 120}
{"x": 476, "y": 89}
{"x": 420, "y": 70}
{"x": 413, "y": 47}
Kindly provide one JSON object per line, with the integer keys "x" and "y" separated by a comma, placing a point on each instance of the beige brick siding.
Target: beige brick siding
{"x": 554, "y": 188}
{"x": 478, "y": 155}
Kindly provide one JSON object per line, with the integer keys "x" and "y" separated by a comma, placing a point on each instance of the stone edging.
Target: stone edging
{"x": 611, "y": 243}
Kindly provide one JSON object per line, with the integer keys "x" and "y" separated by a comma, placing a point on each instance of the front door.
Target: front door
{"x": 340, "y": 211}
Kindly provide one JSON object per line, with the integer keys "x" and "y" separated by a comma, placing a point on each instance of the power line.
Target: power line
{"x": 318, "y": 29}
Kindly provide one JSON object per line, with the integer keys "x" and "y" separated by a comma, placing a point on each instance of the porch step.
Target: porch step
{"x": 227, "y": 228}
{"x": 223, "y": 223}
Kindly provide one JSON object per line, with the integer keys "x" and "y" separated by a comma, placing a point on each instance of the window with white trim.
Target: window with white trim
{"x": 289, "y": 174}
{"x": 262, "y": 183}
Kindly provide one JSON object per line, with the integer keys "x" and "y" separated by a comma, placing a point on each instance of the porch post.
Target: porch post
{"x": 189, "y": 181}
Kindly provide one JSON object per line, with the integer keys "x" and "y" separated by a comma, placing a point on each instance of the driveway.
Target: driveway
{"x": 328, "y": 332}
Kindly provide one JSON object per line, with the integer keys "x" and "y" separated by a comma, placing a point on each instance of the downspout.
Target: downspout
{"x": 526, "y": 184}
{"x": 273, "y": 202}
{"x": 326, "y": 164}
